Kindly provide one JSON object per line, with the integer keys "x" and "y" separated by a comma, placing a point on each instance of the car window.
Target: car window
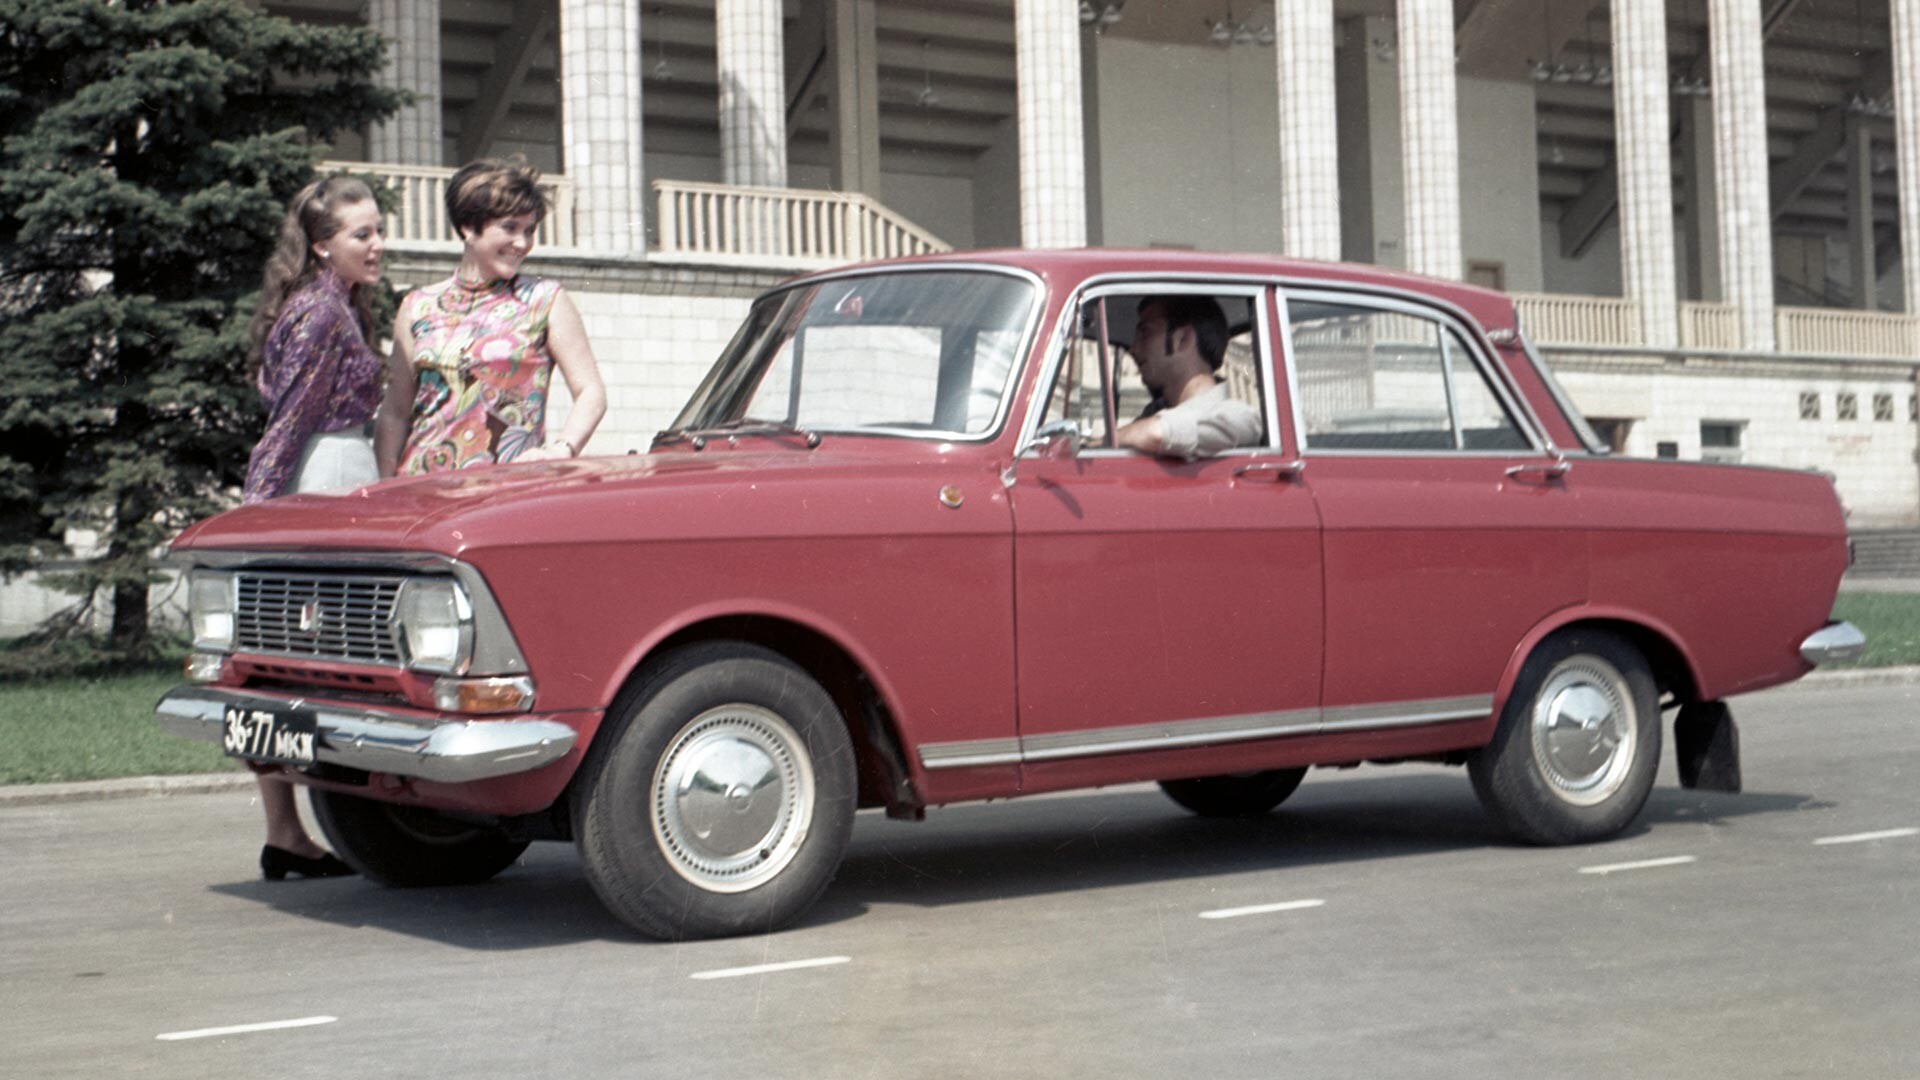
{"x": 1374, "y": 379}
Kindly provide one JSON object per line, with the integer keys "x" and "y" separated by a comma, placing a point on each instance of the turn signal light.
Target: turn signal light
{"x": 501, "y": 694}
{"x": 205, "y": 667}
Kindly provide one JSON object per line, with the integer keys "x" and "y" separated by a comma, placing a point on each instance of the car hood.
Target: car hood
{"x": 730, "y": 492}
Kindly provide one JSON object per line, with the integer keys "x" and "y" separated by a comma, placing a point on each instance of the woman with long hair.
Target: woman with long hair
{"x": 321, "y": 383}
{"x": 473, "y": 355}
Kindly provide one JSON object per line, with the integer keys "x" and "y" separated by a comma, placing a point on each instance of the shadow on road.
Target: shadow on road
{"x": 983, "y": 852}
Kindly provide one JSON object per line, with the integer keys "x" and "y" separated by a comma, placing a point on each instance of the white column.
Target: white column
{"x": 1430, "y": 131}
{"x": 1309, "y": 147}
{"x": 1053, "y": 164}
{"x": 412, "y": 30}
{"x": 1646, "y": 167}
{"x": 1863, "y": 260}
{"x": 1740, "y": 168}
{"x": 1906, "y": 136}
{"x": 600, "y": 66}
{"x": 753, "y": 113}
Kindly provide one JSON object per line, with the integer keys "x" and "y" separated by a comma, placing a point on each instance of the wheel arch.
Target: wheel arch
{"x": 1675, "y": 671}
{"x": 859, "y": 693}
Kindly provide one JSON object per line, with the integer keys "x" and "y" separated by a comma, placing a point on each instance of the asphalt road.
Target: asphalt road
{"x": 1394, "y": 933}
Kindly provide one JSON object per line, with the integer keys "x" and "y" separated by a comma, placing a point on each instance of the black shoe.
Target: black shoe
{"x": 277, "y": 863}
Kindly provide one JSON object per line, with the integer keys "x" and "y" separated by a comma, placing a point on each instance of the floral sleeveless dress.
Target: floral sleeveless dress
{"x": 482, "y": 370}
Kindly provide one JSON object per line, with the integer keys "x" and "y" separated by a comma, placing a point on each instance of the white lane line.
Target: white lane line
{"x": 242, "y": 1029}
{"x": 1643, "y": 864}
{"x": 1863, "y": 837}
{"x": 1260, "y": 909}
{"x": 767, "y": 969}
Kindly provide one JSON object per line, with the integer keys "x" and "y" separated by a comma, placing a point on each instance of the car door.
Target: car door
{"x": 1449, "y": 527}
{"x": 1160, "y": 605}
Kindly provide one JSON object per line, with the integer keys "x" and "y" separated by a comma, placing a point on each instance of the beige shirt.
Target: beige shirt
{"x": 1209, "y": 422}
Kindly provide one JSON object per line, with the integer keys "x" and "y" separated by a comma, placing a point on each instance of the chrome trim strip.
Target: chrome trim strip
{"x": 1834, "y": 643}
{"x": 1206, "y": 731}
{"x": 379, "y": 740}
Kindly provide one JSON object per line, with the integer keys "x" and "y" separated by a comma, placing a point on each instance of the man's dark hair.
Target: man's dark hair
{"x": 1203, "y": 313}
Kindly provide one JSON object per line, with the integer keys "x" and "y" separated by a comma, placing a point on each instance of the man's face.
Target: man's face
{"x": 1151, "y": 347}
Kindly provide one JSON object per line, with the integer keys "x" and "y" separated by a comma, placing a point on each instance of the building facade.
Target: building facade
{"x": 1709, "y": 210}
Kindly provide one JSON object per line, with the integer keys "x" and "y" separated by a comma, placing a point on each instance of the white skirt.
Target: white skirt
{"x": 336, "y": 462}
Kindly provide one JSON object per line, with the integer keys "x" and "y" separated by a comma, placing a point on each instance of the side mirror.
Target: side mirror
{"x": 1059, "y": 439}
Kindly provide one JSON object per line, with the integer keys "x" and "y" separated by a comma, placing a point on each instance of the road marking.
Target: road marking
{"x": 1863, "y": 837}
{"x": 242, "y": 1029}
{"x": 1261, "y": 909}
{"x": 1643, "y": 864}
{"x": 767, "y": 969}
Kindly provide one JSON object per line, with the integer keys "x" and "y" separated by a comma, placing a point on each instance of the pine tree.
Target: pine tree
{"x": 147, "y": 152}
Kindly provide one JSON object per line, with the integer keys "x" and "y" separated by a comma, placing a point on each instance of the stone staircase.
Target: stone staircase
{"x": 1886, "y": 553}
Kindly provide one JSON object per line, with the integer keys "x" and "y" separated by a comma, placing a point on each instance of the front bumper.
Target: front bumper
{"x": 384, "y": 740}
{"x": 1834, "y": 643}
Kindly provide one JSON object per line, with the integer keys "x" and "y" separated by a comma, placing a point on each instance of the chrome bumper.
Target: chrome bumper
{"x": 1834, "y": 643}
{"x": 378, "y": 740}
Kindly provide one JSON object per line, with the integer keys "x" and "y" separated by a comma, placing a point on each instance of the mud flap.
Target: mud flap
{"x": 1707, "y": 747}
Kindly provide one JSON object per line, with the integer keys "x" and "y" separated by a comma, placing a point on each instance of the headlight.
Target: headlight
{"x": 437, "y": 620}
{"x": 210, "y": 607}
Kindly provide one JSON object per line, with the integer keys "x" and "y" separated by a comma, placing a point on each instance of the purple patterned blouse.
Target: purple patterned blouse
{"x": 317, "y": 375}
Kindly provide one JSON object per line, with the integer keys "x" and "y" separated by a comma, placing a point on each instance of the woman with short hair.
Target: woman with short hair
{"x": 473, "y": 355}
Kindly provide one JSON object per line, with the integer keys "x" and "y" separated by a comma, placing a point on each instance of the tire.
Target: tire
{"x": 718, "y": 797}
{"x": 1574, "y": 755}
{"x": 1236, "y": 794}
{"x": 408, "y": 846}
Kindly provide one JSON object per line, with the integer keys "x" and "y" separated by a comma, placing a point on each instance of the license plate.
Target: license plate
{"x": 273, "y": 735}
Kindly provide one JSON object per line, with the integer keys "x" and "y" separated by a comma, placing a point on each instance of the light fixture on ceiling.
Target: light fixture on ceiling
{"x": 1229, "y": 31}
{"x": 1101, "y": 16}
{"x": 926, "y": 97}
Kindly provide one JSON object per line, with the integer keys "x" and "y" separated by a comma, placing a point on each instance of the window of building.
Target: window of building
{"x": 1721, "y": 440}
{"x": 1669, "y": 450}
{"x": 1846, "y": 405}
{"x": 1613, "y": 430}
{"x": 1883, "y": 406}
{"x": 1809, "y": 405}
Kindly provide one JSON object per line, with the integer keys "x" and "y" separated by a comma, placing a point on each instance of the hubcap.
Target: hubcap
{"x": 732, "y": 798}
{"x": 1584, "y": 731}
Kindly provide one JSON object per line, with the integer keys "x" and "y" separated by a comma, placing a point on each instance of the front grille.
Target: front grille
{"x": 342, "y": 617}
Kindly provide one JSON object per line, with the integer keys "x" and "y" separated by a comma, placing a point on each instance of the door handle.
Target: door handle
{"x": 1271, "y": 472}
{"x": 1552, "y": 470}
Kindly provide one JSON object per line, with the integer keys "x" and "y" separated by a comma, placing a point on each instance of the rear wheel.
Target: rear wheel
{"x": 719, "y": 797}
{"x": 1573, "y": 758}
{"x": 1236, "y": 794}
{"x": 408, "y": 845}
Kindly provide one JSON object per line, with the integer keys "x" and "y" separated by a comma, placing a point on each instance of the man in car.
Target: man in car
{"x": 1179, "y": 343}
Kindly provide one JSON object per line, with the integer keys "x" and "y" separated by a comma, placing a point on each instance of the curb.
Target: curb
{"x": 136, "y": 787}
{"x": 131, "y": 787}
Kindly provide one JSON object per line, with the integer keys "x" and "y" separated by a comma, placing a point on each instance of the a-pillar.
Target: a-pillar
{"x": 1430, "y": 131}
{"x": 1740, "y": 169}
{"x": 1053, "y": 165}
{"x": 412, "y": 30}
{"x": 1309, "y": 147}
{"x": 1646, "y": 167}
{"x": 753, "y": 115}
{"x": 1906, "y": 142}
{"x": 600, "y": 68}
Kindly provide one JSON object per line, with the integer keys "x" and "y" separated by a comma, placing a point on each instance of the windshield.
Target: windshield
{"x": 921, "y": 353}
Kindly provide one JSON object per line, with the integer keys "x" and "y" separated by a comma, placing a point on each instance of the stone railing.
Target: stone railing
{"x": 1706, "y": 325}
{"x": 1845, "y": 332}
{"x": 422, "y": 213}
{"x": 779, "y": 228}
{"x": 1565, "y": 319}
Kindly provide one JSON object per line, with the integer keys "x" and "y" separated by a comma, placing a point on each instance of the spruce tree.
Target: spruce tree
{"x": 147, "y": 153}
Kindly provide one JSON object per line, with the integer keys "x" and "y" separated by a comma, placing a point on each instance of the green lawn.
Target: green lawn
{"x": 91, "y": 729}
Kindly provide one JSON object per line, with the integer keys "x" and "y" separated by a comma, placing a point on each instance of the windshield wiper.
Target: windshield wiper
{"x": 752, "y": 425}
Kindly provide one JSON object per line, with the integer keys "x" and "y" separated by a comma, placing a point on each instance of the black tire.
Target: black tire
{"x": 409, "y": 846}
{"x": 1236, "y": 794}
{"x": 1574, "y": 756}
{"x": 766, "y": 789}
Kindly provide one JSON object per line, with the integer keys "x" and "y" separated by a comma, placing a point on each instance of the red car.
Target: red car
{"x": 891, "y": 555}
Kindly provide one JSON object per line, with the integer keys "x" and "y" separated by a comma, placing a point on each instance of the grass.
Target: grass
{"x": 96, "y": 728}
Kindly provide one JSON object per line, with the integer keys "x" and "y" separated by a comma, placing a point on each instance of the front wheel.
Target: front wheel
{"x": 1573, "y": 758}
{"x": 719, "y": 797}
{"x": 408, "y": 845}
{"x": 1236, "y": 794}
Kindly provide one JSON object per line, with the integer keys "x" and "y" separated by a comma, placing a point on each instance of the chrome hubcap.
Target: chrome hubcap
{"x": 732, "y": 798}
{"x": 1584, "y": 731}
